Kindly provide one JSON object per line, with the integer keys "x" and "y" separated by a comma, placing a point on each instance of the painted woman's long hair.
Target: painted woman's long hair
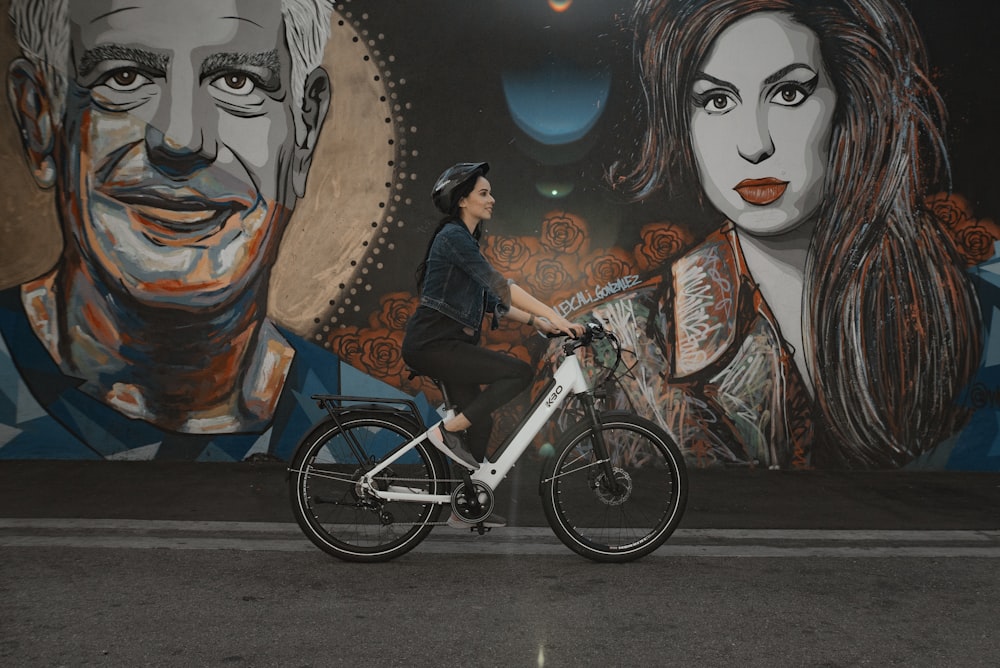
{"x": 892, "y": 333}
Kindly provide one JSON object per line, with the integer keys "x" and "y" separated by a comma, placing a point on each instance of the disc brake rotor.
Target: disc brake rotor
{"x": 604, "y": 492}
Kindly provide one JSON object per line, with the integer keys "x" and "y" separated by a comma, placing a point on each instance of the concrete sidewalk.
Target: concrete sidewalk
{"x": 719, "y": 499}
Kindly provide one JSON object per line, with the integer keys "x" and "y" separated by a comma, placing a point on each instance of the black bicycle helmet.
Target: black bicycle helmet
{"x": 451, "y": 179}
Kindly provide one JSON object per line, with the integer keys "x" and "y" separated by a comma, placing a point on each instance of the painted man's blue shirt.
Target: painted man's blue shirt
{"x": 43, "y": 414}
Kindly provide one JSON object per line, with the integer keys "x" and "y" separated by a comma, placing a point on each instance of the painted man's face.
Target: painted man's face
{"x": 762, "y": 123}
{"x": 180, "y": 138}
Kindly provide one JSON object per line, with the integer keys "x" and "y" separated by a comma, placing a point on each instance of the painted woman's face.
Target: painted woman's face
{"x": 762, "y": 123}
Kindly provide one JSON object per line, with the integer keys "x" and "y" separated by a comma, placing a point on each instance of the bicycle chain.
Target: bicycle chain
{"x": 395, "y": 479}
{"x": 446, "y": 507}
{"x": 343, "y": 478}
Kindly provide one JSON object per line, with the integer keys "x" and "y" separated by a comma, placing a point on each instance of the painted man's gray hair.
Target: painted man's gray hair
{"x": 42, "y": 31}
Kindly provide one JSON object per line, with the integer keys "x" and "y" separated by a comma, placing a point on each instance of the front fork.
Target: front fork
{"x": 600, "y": 447}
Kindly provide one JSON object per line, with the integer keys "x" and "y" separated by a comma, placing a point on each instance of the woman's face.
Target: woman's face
{"x": 477, "y": 205}
{"x": 762, "y": 122}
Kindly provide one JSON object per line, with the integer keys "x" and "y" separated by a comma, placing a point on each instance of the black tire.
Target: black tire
{"x": 329, "y": 508}
{"x": 607, "y": 527}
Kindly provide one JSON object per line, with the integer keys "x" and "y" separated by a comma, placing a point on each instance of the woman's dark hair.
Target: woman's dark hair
{"x": 460, "y": 192}
{"x": 887, "y": 385}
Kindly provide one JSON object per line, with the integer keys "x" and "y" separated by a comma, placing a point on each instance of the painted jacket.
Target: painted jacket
{"x": 709, "y": 363}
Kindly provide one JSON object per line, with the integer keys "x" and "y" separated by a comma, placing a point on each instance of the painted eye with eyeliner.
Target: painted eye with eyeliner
{"x": 790, "y": 95}
{"x": 794, "y": 93}
{"x": 714, "y": 102}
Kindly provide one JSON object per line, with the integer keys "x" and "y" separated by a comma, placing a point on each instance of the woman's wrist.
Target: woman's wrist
{"x": 531, "y": 318}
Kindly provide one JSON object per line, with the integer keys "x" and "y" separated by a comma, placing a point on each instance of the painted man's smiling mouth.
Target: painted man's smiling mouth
{"x": 176, "y": 213}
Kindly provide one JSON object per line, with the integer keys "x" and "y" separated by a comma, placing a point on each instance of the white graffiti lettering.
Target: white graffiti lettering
{"x": 697, "y": 294}
{"x": 585, "y": 297}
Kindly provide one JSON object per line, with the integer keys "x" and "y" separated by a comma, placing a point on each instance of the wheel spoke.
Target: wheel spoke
{"x": 339, "y": 513}
{"x": 618, "y": 519}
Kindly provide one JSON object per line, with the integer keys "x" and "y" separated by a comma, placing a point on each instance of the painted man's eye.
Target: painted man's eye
{"x": 235, "y": 83}
{"x": 125, "y": 80}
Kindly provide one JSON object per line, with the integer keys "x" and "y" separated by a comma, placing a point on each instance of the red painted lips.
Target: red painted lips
{"x": 761, "y": 192}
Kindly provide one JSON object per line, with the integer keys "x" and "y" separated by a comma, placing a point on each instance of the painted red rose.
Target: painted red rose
{"x": 346, "y": 343}
{"x": 951, "y": 209}
{"x": 659, "y": 242}
{"x": 395, "y": 309}
{"x": 550, "y": 278}
{"x": 975, "y": 242}
{"x": 973, "y": 238}
{"x": 381, "y": 354}
{"x": 565, "y": 233}
{"x": 509, "y": 254}
{"x": 607, "y": 265}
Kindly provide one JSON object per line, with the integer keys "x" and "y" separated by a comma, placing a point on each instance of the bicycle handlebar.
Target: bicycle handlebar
{"x": 594, "y": 331}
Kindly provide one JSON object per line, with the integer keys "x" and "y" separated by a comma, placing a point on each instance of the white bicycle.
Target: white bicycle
{"x": 366, "y": 486}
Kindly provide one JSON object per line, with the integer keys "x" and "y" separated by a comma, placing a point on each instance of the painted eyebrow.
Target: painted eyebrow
{"x": 780, "y": 74}
{"x": 269, "y": 61}
{"x": 773, "y": 78}
{"x": 91, "y": 58}
{"x": 702, "y": 76}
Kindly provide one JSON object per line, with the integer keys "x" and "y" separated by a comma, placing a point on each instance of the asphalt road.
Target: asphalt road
{"x": 205, "y": 605}
{"x": 160, "y": 564}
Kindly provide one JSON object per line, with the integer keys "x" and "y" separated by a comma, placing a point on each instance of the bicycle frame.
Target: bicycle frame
{"x": 568, "y": 381}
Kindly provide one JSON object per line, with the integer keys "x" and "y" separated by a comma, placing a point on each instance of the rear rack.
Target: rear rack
{"x": 338, "y": 405}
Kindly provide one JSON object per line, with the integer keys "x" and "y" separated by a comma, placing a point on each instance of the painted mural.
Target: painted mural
{"x": 786, "y": 212}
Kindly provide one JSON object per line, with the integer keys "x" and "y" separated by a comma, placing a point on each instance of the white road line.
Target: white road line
{"x": 146, "y": 525}
{"x": 286, "y": 537}
{"x": 206, "y": 526}
{"x": 473, "y": 546}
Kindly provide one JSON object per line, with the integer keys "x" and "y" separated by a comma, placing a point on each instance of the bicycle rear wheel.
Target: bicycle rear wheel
{"x": 329, "y": 504}
{"x": 622, "y": 522}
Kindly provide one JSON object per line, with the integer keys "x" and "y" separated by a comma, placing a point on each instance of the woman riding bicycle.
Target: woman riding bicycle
{"x": 458, "y": 287}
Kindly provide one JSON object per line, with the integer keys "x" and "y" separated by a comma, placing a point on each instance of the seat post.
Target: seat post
{"x": 448, "y": 406}
{"x": 450, "y": 410}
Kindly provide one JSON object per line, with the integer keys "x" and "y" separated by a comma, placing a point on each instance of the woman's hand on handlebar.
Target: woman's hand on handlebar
{"x": 559, "y": 325}
{"x": 553, "y": 322}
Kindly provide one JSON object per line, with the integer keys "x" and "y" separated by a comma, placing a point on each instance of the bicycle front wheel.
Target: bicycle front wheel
{"x": 623, "y": 519}
{"x": 336, "y": 513}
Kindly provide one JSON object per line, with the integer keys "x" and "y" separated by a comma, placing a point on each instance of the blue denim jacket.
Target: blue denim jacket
{"x": 460, "y": 283}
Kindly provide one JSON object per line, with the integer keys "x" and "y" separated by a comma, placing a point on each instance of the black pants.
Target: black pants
{"x": 465, "y": 369}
